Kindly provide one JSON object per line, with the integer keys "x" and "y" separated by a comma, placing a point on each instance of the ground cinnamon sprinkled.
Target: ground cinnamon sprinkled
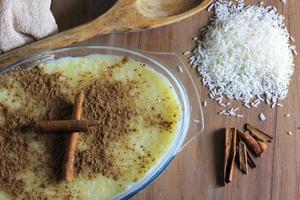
{"x": 160, "y": 122}
{"x": 106, "y": 101}
{"x": 46, "y": 88}
{"x": 117, "y": 65}
{"x": 16, "y": 133}
{"x": 110, "y": 102}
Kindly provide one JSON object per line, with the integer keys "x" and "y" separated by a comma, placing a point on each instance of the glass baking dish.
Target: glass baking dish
{"x": 167, "y": 64}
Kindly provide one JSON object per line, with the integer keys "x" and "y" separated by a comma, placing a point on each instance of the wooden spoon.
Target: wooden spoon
{"x": 125, "y": 15}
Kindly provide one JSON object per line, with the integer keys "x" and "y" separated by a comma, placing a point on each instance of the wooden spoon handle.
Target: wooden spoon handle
{"x": 77, "y": 34}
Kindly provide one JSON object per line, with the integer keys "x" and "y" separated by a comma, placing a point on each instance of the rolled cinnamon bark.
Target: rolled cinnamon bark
{"x": 250, "y": 160}
{"x": 243, "y": 157}
{"x": 230, "y": 153}
{"x": 68, "y": 167}
{"x": 263, "y": 146}
{"x": 250, "y": 142}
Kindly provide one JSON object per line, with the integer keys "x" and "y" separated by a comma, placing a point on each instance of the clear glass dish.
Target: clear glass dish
{"x": 169, "y": 65}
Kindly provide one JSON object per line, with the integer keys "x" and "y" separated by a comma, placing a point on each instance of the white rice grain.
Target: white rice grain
{"x": 279, "y": 105}
{"x": 247, "y": 105}
{"x": 262, "y": 117}
{"x": 222, "y": 104}
{"x": 180, "y": 69}
{"x": 240, "y": 68}
{"x": 186, "y": 53}
{"x": 295, "y": 52}
{"x": 196, "y": 121}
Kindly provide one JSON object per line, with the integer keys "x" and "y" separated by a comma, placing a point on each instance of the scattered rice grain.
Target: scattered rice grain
{"x": 222, "y": 104}
{"x": 262, "y": 117}
{"x": 279, "y": 105}
{"x": 295, "y": 52}
{"x": 236, "y": 109}
{"x": 247, "y": 105}
{"x": 186, "y": 53}
{"x": 196, "y": 121}
{"x": 180, "y": 69}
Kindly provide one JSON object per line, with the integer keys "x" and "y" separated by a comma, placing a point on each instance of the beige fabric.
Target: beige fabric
{"x": 23, "y": 21}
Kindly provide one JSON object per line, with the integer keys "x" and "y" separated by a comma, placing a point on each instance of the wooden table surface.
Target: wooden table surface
{"x": 195, "y": 173}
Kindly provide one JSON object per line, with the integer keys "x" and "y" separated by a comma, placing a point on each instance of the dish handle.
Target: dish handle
{"x": 195, "y": 123}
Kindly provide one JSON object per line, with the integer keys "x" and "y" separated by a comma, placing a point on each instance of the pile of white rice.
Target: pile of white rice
{"x": 245, "y": 54}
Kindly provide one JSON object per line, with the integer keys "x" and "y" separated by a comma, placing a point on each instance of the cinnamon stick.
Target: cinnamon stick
{"x": 65, "y": 126}
{"x": 243, "y": 157}
{"x": 259, "y": 134}
{"x": 250, "y": 141}
{"x": 230, "y": 153}
{"x": 68, "y": 167}
{"x": 250, "y": 160}
{"x": 263, "y": 146}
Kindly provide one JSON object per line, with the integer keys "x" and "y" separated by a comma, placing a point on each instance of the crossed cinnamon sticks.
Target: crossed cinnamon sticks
{"x": 72, "y": 127}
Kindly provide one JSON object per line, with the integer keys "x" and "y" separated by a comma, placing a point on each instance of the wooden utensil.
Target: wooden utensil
{"x": 125, "y": 15}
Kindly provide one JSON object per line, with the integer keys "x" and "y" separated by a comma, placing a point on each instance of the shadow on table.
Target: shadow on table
{"x": 71, "y": 13}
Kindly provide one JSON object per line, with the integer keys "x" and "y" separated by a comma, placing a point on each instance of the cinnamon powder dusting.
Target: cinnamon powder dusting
{"x": 110, "y": 102}
{"x": 16, "y": 132}
{"x": 105, "y": 101}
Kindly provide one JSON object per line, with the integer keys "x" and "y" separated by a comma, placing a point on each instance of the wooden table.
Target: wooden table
{"x": 195, "y": 173}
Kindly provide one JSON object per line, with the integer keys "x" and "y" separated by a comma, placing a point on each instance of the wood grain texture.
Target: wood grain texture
{"x": 193, "y": 174}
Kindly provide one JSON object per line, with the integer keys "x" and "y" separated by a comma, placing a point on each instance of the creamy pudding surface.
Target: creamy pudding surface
{"x": 139, "y": 114}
